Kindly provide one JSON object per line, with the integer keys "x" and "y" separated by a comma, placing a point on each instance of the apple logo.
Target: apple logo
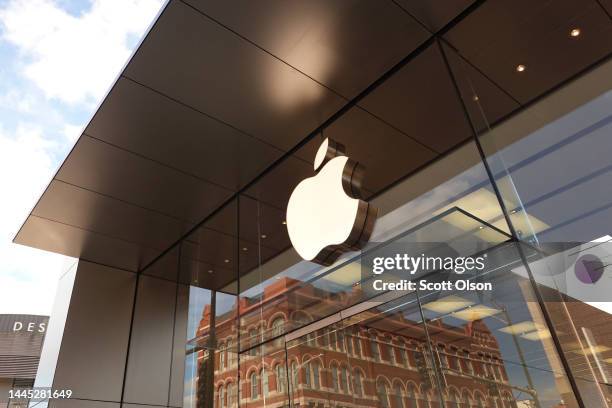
{"x": 325, "y": 215}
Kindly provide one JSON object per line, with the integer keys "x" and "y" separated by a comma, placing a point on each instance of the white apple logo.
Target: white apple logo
{"x": 325, "y": 216}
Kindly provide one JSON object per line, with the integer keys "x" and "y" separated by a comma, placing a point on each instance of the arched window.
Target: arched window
{"x": 452, "y": 359}
{"x": 399, "y": 398}
{"x": 335, "y": 378}
{"x": 341, "y": 340}
{"x": 467, "y": 399}
{"x": 278, "y": 327}
{"x": 231, "y": 389}
{"x": 468, "y": 362}
{"x": 316, "y": 376}
{"x": 344, "y": 380}
{"x": 307, "y": 374}
{"x": 349, "y": 344}
{"x": 221, "y": 397}
{"x": 221, "y": 357}
{"x": 230, "y": 353}
{"x": 357, "y": 385}
{"x": 358, "y": 345}
{"x": 294, "y": 376}
{"x": 254, "y": 386}
{"x": 454, "y": 399}
{"x": 347, "y": 379}
{"x": 265, "y": 382}
{"x": 401, "y": 349}
{"x": 442, "y": 356}
{"x": 413, "y": 396}
{"x": 382, "y": 391}
{"x": 374, "y": 348}
{"x": 281, "y": 378}
{"x": 390, "y": 349}
{"x": 480, "y": 402}
{"x": 253, "y": 341}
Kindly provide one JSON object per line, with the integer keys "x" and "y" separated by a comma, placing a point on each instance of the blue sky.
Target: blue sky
{"x": 58, "y": 59}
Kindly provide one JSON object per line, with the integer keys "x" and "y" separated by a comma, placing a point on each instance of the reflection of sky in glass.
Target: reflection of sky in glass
{"x": 198, "y": 299}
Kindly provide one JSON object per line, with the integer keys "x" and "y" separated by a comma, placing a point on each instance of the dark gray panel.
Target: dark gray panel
{"x": 151, "y": 344}
{"x": 143, "y": 121}
{"x": 434, "y": 14}
{"x": 325, "y": 39}
{"x": 100, "y": 167}
{"x": 91, "y": 211}
{"x": 202, "y": 64}
{"x": 421, "y": 102}
{"x": 166, "y": 266}
{"x": 79, "y": 243}
{"x": 96, "y": 333}
{"x": 500, "y": 35}
{"x": 276, "y": 186}
{"x": 178, "y": 352}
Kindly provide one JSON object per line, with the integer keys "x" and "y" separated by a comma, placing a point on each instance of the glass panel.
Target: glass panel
{"x": 266, "y": 380}
{"x": 463, "y": 188}
{"x": 391, "y": 363}
{"x": 319, "y": 370}
{"x": 208, "y": 264}
{"x": 551, "y": 164}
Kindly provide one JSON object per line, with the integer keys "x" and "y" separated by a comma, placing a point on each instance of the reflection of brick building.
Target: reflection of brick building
{"x": 377, "y": 361}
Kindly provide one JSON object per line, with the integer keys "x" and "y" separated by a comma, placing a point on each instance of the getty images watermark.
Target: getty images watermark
{"x": 404, "y": 265}
{"x": 423, "y": 266}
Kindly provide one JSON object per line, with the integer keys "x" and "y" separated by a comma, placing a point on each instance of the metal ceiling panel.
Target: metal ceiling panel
{"x": 500, "y": 35}
{"x": 421, "y": 102}
{"x": 200, "y": 63}
{"x": 97, "y": 166}
{"x": 80, "y": 243}
{"x": 325, "y": 39}
{"x": 145, "y": 122}
{"x": 90, "y": 211}
{"x": 485, "y": 102}
{"x": 386, "y": 153}
{"x": 434, "y": 14}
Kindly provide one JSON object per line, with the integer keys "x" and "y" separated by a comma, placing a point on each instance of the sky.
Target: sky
{"x": 58, "y": 59}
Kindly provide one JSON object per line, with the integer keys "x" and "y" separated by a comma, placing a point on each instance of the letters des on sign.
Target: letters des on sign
{"x": 31, "y": 327}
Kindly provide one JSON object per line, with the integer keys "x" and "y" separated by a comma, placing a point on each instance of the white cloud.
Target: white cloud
{"x": 17, "y": 101}
{"x": 72, "y": 132}
{"x": 75, "y": 58}
{"x": 27, "y": 276}
{"x": 56, "y": 56}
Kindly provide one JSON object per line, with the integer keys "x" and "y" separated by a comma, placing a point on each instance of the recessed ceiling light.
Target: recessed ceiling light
{"x": 264, "y": 236}
{"x": 520, "y": 68}
{"x": 284, "y": 222}
{"x": 210, "y": 271}
{"x": 481, "y": 227}
{"x": 475, "y": 98}
{"x": 575, "y": 32}
{"x": 245, "y": 249}
{"x": 226, "y": 261}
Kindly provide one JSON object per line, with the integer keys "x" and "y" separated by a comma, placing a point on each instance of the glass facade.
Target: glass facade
{"x": 521, "y": 172}
{"x": 268, "y": 329}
